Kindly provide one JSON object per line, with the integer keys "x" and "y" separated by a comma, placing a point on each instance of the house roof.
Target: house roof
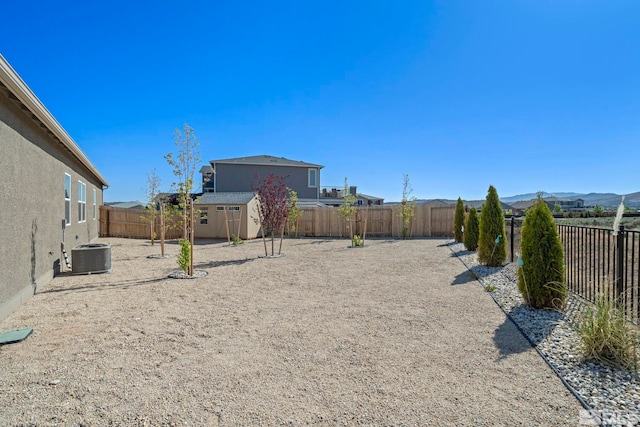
{"x": 478, "y": 204}
{"x": 368, "y": 197}
{"x": 17, "y": 90}
{"x": 126, "y": 205}
{"x": 226, "y": 198}
{"x": 266, "y": 160}
{"x": 206, "y": 169}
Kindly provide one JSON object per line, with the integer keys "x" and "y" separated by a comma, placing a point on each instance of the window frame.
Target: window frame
{"x": 95, "y": 201}
{"x": 313, "y": 171}
{"x": 82, "y": 201}
{"x": 204, "y": 216}
{"x": 67, "y": 199}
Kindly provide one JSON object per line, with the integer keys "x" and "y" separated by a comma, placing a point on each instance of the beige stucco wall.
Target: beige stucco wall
{"x": 32, "y": 170}
{"x": 216, "y": 224}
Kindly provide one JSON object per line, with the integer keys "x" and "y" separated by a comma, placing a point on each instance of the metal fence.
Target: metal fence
{"x": 599, "y": 262}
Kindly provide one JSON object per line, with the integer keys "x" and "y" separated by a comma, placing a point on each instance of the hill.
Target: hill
{"x": 606, "y": 200}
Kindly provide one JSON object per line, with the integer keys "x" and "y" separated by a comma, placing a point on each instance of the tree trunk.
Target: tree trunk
{"x": 191, "y": 237}
{"x": 162, "y": 229}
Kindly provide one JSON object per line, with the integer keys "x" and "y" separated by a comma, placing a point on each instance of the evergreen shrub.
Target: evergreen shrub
{"x": 541, "y": 277}
{"x": 472, "y": 230}
{"x": 492, "y": 248}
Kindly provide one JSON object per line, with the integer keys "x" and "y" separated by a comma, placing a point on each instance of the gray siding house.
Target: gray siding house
{"x": 50, "y": 193}
{"x": 239, "y": 175}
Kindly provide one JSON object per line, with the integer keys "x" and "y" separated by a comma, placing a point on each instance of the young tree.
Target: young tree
{"x": 151, "y": 191}
{"x": 472, "y": 230}
{"x": 273, "y": 209}
{"x": 407, "y": 205}
{"x": 458, "y": 221}
{"x": 557, "y": 208}
{"x": 492, "y": 247}
{"x": 295, "y": 211}
{"x": 541, "y": 276}
{"x": 184, "y": 163}
{"x": 348, "y": 208}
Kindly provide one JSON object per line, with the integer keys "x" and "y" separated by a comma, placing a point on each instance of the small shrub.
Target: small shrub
{"x": 458, "y": 221}
{"x": 472, "y": 230}
{"x": 606, "y": 335}
{"x": 184, "y": 257}
{"x": 541, "y": 276}
{"x": 236, "y": 240}
{"x": 492, "y": 247}
{"x": 357, "y": 241}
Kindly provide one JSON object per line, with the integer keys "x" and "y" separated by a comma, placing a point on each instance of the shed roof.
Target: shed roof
{"x": 226, "y": 198}
{"x": 20, "y": 92}
{"x": 264, "y": 159}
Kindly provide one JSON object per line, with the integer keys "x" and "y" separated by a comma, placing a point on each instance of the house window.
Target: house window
{"x": 219, "y": 208}
{"x": 313, "y": 178}
{"x": 204, "y": 215}
{"x": 233, "y": 208}
{"x": 82, "y": 201}
{"x": 94, "y": 204}
{"x": 67, "y": 199}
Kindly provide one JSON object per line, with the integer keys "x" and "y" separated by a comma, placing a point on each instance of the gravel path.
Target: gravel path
{"x": 396, "y": 333}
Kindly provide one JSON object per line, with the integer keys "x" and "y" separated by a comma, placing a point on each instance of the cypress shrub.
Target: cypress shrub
{"x": 541, "y": 277}
{"x": 491, "y": 253}
{"x": 458, "y": 221}
{"x": 472, "y": 230}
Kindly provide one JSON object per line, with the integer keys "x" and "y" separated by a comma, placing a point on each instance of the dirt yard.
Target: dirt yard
{"x": 395, "y": 333}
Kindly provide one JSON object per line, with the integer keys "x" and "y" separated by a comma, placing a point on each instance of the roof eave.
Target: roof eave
{"x": 21, "y": 91}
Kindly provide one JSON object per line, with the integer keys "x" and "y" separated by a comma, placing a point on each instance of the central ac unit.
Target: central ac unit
{"x": 91, "y": 258}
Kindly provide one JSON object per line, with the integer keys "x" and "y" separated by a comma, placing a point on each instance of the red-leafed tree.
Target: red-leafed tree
{"x": 273, "y": 210}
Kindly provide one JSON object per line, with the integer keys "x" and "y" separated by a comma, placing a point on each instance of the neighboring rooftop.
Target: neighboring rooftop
{"x": 226, "y": 198}
{"x": 264, "y": 160}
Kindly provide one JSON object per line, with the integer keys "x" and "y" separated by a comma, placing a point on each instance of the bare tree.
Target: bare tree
{"x": 151, "y": 191}
{"x": 407, "y": 206}
{"x": 184, "y": 163}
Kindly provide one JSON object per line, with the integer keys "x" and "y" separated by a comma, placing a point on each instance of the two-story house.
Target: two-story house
{"x": 239, "y": 175}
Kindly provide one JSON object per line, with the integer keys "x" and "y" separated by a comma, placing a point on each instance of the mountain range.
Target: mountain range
{"x": 606, "y": 200}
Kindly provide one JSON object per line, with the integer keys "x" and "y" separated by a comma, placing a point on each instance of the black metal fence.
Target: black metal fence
{"x": 598, "y": 261}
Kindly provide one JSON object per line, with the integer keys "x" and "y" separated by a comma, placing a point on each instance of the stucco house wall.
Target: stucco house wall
{"x": 36, "y": 155}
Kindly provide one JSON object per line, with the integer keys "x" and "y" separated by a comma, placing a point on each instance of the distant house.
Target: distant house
{"x": 236, "y": 210}
{"x": 564, "y": 203}
{"x": 239, "y": 175}
{"x": 468, "y": 204}
{"x": 51, "y": 193}
{"x": 368, "y": 200}
{"x": 136, "y": 204}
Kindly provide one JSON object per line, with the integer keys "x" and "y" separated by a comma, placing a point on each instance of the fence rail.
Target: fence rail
{"x": 380, "y": 221}
{"x": 130, "y": 223}
{"x": 599, "y": 262}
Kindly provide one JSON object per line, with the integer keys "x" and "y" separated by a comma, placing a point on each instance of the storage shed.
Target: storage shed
{"x": 236, "y": 210}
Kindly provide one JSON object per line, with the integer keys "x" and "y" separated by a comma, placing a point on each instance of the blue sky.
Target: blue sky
{"x": 523, "y": 95}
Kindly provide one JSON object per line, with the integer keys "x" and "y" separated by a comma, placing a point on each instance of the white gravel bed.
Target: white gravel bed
{"x": 613, "y": 395}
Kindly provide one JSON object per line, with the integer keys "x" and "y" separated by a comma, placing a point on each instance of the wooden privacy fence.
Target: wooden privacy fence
{"x": 130, "y": 223}
{"x": 381, "y": 221}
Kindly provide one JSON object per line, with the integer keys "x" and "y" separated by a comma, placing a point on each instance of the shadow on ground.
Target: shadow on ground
{"x": 463, "y": 278}
{"x": 213, "y": 264}
{"x": 535, "y": 331}
{"x": 125, "y": 284}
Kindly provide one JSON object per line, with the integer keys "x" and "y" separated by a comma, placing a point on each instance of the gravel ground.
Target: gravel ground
{"x": 395, "y": 333}
{"x": 612, "y": 394}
